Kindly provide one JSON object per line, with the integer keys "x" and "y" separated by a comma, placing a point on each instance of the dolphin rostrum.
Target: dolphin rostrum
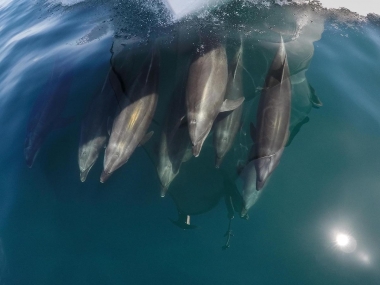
{"x": 272, "y": 131}
{"x": 227, "y": 127}
{"x": 206, "y": 86}
{"x": 132, "y": 121}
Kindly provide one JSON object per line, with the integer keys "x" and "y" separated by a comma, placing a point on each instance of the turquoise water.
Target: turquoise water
{"x": 55, "y": 229}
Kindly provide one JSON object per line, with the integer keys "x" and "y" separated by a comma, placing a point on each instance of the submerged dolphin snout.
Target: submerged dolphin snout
{"x": 218, "y": 161}
{"x": 263, "y": 170}
{"x": 30, "y": 156}
{"x": 164, "y": 189}
{"x": 83, "y": 174}
{"x": 197, "y": 149}
{"x": 104, "y": 177}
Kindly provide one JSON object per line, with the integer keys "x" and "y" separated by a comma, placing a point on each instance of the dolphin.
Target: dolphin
{"x": 227, "y": 127}
{"x": 246, "y": 185}
{"x": 134, "y": 117}
{"x": 93, "y": 135}
{"x": 206, "y": 86}
{"x": 175, "y": 141}
{"x": 272, "y": 131}
{"x": 47, "y": 111}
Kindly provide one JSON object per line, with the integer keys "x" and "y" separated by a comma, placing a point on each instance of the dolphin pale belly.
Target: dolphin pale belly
{"x": 227, "y": 127}
{"x": 94, "y": 128}
{"x": 272, "y": 131}
{"x": 134, "y": 117}
{"x": 205, "y": 91}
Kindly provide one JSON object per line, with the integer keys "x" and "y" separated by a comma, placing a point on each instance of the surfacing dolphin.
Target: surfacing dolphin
{"x": 226, "y": 128}
{"x": 47, "y": 111}
{"x": 272, "y": 131}
{"x": 134, "y": 117}
{"x": 93, "y": 135}
{"x": 206, "y": 86}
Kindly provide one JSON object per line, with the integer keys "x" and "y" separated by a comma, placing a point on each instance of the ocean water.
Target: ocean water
{"x": 316, "y": 220}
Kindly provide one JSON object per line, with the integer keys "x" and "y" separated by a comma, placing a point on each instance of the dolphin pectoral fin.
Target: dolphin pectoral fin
{"x": 182, "y": 122}
{"x": 229, "y": 105}
{"x": 146, "y": 138}
{"x": 252, "y": 131}
{"x": 314, "y": 99}
{"x": 64, "y": 122}
{"x": 296, "y": 129}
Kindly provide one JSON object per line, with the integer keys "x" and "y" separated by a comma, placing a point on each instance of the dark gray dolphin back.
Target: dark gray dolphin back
{"x": 273, "y": 118}
{"x": 274, "y": 107}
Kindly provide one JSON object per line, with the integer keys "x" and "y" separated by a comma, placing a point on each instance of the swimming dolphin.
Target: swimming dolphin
{"x": 205, "y": 91}
{"x": 47, "y": 111}
{"x": 93, "y": 135}
{"x": 174, "y": 146}
{"x": 134, "y": 117}
{"x": 227, "y": 127}
{"x": 175, "y": 141}
{"x": 246, "y": 185}
{"x": 273, "y": 116}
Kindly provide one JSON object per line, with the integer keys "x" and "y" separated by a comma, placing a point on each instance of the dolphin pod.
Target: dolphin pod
{"x": 206, "y": 87}
{"x": 222, "y": 110}
{"x": 93, "y": 136}
{"x": 227, "y": 127}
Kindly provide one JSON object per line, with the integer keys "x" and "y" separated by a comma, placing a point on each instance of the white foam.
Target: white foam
{"x": 181, "y": 8}
{"x": 362, "y": 7}
{"x": 65, "y": 2}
